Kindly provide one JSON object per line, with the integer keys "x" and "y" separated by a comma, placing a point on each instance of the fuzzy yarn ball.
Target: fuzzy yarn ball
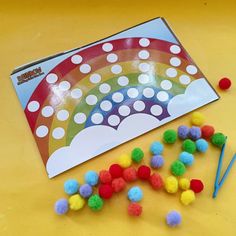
{"x": 170, "y": 136}
{"x": 184, "y": 183}
{"x": 156, "y": 181}
{"x": 195, "y": 133}
{"x": 183, "y": 132}
{"x": 197, "y": 118}
{"x": 218, "y": 139}
{"x": 105, "y": 177}
{"x": 187, "y": 197}
{"x": 85, "y": 190}
{"x": 95, "y": 203}
{"x": 196, "y": 185}
{"x": 76, "y": 202}
{"x": 186, "y": 158}
{"x": 173, "y": 218}
{"x": 137, "y": 155}
{"x": 118, "y": 184}
{"x": 71, "y": 186}
{"x": 202, "y": 145}
{"x": 156, "y": 148}
{"x": 61, "y": 206}
{"x": 207, "y": 131}
{"x": 171, "y": 184}
{"x": 125, "y": 160}
{"x": 189, "y": 146}
{"x": 224, "y": 83}
{"x": 116, "y": 170}
{"x": 135, "y": 194}
{"x": 130, "y": 174}
{"x": 91, "y": 178}
{"x": 105, "y": 191}
{"x": 157, "y": 161}
{"x": 177, "y": 168}
{"x": 144, "y": 172}
{"x": 134, "y": 209}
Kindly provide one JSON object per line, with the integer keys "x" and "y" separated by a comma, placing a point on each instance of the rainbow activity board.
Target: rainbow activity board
{"x": 85, "y": 101}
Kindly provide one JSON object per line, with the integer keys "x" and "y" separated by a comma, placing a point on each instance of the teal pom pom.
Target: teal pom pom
{"x": 91, "y": 178}
{"x": 156, "y": 148}
{"x": 71, "y": 186}
{"x": 186, "y": 158}
{"x": 202, "y": 145}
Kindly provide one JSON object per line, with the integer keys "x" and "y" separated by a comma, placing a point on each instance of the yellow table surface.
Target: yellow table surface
{"x": 34, "y": 29}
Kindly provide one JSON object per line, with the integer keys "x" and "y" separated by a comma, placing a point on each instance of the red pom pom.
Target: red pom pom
{"x": 156, "y": 181}
{"x": 105, "y": 177}
{"x": 196, "y": 185}
{"x": 134, "y": 209}
{"x": 130, "y": 174}
{"x": 116, "y": 171}
{"x": 207, "y": 131}
{"x": 105, "y": 191}
{"x": 144, "y": 172}
{"x": 224, "y": 83}
{"x": 118, "y": 184}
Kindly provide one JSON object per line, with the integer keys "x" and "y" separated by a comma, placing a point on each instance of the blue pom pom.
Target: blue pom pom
{"x": 135, "y": 194}
{"x": 91, "y": 178}
{"x": 183, "y": 132}
{"x": 156, "y": 148}
{"x": 195, "y": 133}
{"x": 71, "y": 186}
{"x": 85, "y": 190}
{"x": 173, "y": 218}
{"x": 157, "y": 161}
{"x": 61, "y": 206}
{"x": 202, "y": 145}
{"x": 186, "y": 158}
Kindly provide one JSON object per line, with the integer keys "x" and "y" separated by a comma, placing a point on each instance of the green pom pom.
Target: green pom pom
{"x": 137, "y": 155}
{"x": 177, "y": 168}
{"x": 218, "y": 139}
{"x": 95, "y": 202}
{"x": 170, "y": 136}
{"x": 189, "y": 146}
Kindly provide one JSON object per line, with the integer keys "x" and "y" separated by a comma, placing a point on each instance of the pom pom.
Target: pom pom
{"x": 218, "y": 139}
{"x": 137, "y": 155}
{"x": 224, "y": 83}
{"x": 144, "y": 172}
{"x": 61, "y": 206}
{"x": 195, "y": 133}
{"x": 91, "y": 178}
{"x": 170, "y": 136}
{"x": 173, "y": 218}
{"x": 186, "y": 158}
{"x": 105, "y": 191}
{"x": 187, "y": 197}
{"x": 125, "y": 160}
{"x": 156, "y": 148}
{"x": 95, "y": 203}
{"x": 157, "y": 161}
{"x": 85, "y": 190}
{"x": 189, "y": 146}
{"x": 105, "y": 177}
{"x": 196, "y": 185}
{"x": 183, "y": 132}
{"x": 130, "y": 174}
{"x": 171, "y": 184}
{"x": 207, "y": 131}
{"x": 184, "y": 184}
{"x": 202, "y": 145}
{"x": 156, "y": 181}
{"x": 134, "y": 209}
{"x": 197, "y": 118}
{"x": 76, "y": 202}
{"x": 135, "y": 194}
{"x": 177, "y": 168}
{"x": 118, "y": 184}
{"x": 71, "y": 186}
{"x": 116, "y": 171}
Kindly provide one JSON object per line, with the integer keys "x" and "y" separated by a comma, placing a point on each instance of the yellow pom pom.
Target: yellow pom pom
{"x": 171, "y": 184}
{"x": 184, "y": 184}
{"x": 76, "y": 202}
{"x": 197, "y": 118}
{"x": 125, "y": 160}
{"x": 187, "y": 197}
